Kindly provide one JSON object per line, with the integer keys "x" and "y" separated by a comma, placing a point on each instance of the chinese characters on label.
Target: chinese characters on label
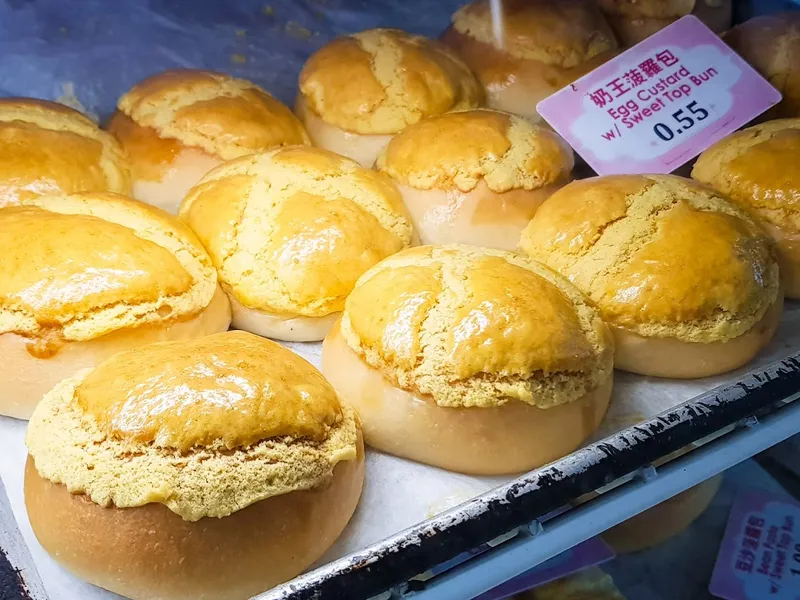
{"x": 636, "y": 97}
{"x": 760, "y": 554}
{"x": 632, "y": 79}
{"x": 660, "y": 103}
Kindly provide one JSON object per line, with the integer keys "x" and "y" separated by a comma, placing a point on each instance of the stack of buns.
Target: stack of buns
{"x": 171, "y": 459}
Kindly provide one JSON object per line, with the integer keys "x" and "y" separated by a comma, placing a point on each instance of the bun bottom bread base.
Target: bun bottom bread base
{"x": 150, "y": 553}
{"x": 362, "y": 148}
{"x": 34, "y": 375}
{"x": 664, "y": 520}
{"x": 511, "y": 438}
{"x": 676, "y": 359}
{"x": 480, "y": 217}
{"x": 287, "y": 328}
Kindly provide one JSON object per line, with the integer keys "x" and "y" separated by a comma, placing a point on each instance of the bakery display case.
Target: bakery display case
{"x": 306, "y": 300}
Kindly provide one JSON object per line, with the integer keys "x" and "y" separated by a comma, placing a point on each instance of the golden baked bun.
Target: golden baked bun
{"x": 688, "y": 282}
{"x": 663, "y": 521}
{"x": 357, "y": 91}
{"x": 771, "y": 44}
{"x": 88, "y": 275}
{"x": 290, "y": 231}
{"x": 545, "y": 45}
{"x": 759, "y": 169}
{"x": 178, "y": 125}
{"x": 203, "y": 470}
{"x": 635, "y": 20}
{"x": 470, "y": 359}
{"x": 475, "y": 177}
{"x": 48, "y": 148}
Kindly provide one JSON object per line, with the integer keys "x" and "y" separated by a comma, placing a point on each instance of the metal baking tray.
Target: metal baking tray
{"x": 761, "y": 394}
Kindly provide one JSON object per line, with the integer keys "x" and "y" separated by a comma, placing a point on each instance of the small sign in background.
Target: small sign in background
{"x": 759, "y": 558}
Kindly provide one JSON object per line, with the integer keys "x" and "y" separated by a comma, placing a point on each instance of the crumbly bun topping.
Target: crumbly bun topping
{"x": 564, "y": 33}
{"x": 224, "y": 116}
{"x": 205, "y": 427}
{"x": 473, "y": 327}
{"x": 759, "y": 169}
{"x": 291, "y": 230}
{"x": 381, "y": 80}
{"x": 459, "y": 149}
{"x": 660, "y": 255}
{"x": 48, "y": 148}
{"x": 94, "y": 263}
{"x": 771, "y": 44}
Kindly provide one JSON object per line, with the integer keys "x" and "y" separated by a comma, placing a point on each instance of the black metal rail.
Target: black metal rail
{"x": 395, "y": 560}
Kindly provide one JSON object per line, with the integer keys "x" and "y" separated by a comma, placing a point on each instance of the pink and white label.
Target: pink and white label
{"x": 759, "y": 558}
{"x": 660, "y": 103}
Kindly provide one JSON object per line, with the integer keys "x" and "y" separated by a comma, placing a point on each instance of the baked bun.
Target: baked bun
{"x": 771, "y": 44}
{"x": 290, "y": 231}
{"x": 210, "y": 469}
{"x": 475, "y": 177}
{"x": 688, "y": 282}
{"x": 88, "y": 275}
{"x": 759, "y": 169}
{"x": 546, "y": 45}
{"x": 48, "y": 148}
{"x": 357, "y": 91}
{"x": 663, "y": 521}
{"x": 635, "y": 20}
{"x": 177, "y": 125}
{"x": 470, "y": 359}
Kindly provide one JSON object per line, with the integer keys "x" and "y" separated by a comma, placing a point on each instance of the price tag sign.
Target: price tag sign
{"x": 759, "y": 558}
{"x": 660, "y": 103}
